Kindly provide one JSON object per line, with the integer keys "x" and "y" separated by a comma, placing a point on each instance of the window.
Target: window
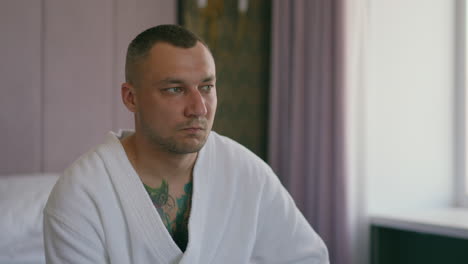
{"x": 461, "y": 104}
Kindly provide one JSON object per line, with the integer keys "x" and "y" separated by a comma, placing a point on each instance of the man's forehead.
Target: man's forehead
{"x": 168, "y": 55}
{"x": 168, "y": 64}
{"x": 165, "y": 47}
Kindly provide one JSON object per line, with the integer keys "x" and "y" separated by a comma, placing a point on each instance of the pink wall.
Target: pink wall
{"x": 62, "y": 66}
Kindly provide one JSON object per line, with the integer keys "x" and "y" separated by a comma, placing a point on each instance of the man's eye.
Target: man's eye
{"x": 206, "y": 88}
{"x": 173, "y": 90}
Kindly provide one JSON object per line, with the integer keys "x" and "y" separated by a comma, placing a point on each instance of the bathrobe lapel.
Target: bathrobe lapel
{"x": 142, "y": 218}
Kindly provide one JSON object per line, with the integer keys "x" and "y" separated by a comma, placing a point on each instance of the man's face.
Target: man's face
{"x": 176, "y": 97}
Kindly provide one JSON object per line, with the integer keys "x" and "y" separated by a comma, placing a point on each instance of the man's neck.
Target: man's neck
{"x": 153, "y": 165}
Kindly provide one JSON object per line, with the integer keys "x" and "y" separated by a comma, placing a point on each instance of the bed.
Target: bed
{"x": 22, "y": 199}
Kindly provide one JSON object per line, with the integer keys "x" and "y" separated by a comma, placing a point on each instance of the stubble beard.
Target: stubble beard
{"x": 171, "y": 144}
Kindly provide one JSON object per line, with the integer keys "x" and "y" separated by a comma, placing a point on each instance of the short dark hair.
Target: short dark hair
{"x": 140, "y": 46}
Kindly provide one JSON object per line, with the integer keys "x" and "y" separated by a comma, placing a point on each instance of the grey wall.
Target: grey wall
{"x": 408, "y": 130}
{"x": 62, "y": 66}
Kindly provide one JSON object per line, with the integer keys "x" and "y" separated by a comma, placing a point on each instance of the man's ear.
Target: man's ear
{"x": 129, "y": 96}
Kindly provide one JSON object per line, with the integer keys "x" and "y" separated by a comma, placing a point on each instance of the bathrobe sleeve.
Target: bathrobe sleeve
{"x": 64, "y": 244}
{"x": 73, "y": 231}
{"x": 284, "y": 235}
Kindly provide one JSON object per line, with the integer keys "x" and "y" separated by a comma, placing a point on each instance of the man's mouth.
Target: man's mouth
{"x": 194, "y": 126}
{"x": 193, "y": 129}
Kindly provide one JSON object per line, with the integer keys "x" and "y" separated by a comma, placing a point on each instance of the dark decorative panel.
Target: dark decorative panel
{"x": 394, "y": 246}
{"x": 240, "y": 43}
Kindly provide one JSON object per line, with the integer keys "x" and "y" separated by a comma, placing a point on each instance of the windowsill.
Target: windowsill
{"x": 452, "y": 222}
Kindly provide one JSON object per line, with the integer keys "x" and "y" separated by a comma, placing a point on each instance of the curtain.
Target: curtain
{"x": 356, "y": 39}
{"x": 307, "y": 126}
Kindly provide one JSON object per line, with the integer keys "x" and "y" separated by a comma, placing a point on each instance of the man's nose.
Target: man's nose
{"x": 196, "y": 105}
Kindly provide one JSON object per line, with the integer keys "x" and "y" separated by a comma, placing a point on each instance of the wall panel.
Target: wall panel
{"x": 63, "y": 66}
{"x": 132, "y": 17}
{"x": 77, "y": 77}
{"x": 20, "y": 74}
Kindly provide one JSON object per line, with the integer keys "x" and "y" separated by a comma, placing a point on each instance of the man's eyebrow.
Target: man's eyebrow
{"x": 171, "y": 80}
{"x": 209, "y": 78}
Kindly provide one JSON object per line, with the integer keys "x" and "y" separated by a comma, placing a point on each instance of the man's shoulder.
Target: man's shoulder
{"x": 229, "y": 148}
{"x": 81, "y": 183}
{"x": 92, "y": 162}
{"x": 232, "y": 156}
{"x": 77, "y": 201}
{"x": 237, "y": 165}
{"x": 87, "y": 165}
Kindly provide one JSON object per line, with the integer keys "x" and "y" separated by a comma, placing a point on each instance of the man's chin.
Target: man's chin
{"x": 181, "y": 143}
{"x": 194, "y": 146}
{"x": 186, "y": 149}
{"x": 190, "y": 145}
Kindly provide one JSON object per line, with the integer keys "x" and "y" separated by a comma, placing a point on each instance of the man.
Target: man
{"x": 173, "y": 191}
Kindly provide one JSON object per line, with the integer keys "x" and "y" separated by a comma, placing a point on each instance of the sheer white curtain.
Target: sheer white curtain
{"x": 356, "y": 39}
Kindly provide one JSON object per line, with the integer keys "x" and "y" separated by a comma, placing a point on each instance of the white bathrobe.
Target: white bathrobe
{"x": 100, "y": 212}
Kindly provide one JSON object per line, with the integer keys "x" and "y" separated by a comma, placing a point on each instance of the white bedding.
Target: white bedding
{"x": 22, "y": 199}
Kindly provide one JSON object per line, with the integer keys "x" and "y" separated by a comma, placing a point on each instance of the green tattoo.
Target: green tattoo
{"x": 164, "y": 203}
{"x": 180, "y": 233}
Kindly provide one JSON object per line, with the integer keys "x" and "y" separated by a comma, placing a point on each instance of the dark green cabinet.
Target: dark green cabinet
{"x": 395, "y": 246}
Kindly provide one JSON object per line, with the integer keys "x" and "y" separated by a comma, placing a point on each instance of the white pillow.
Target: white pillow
{"x": 22, "y": 199}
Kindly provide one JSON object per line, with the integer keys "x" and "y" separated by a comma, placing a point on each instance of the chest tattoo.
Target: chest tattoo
{"x": 174, "y": 212}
